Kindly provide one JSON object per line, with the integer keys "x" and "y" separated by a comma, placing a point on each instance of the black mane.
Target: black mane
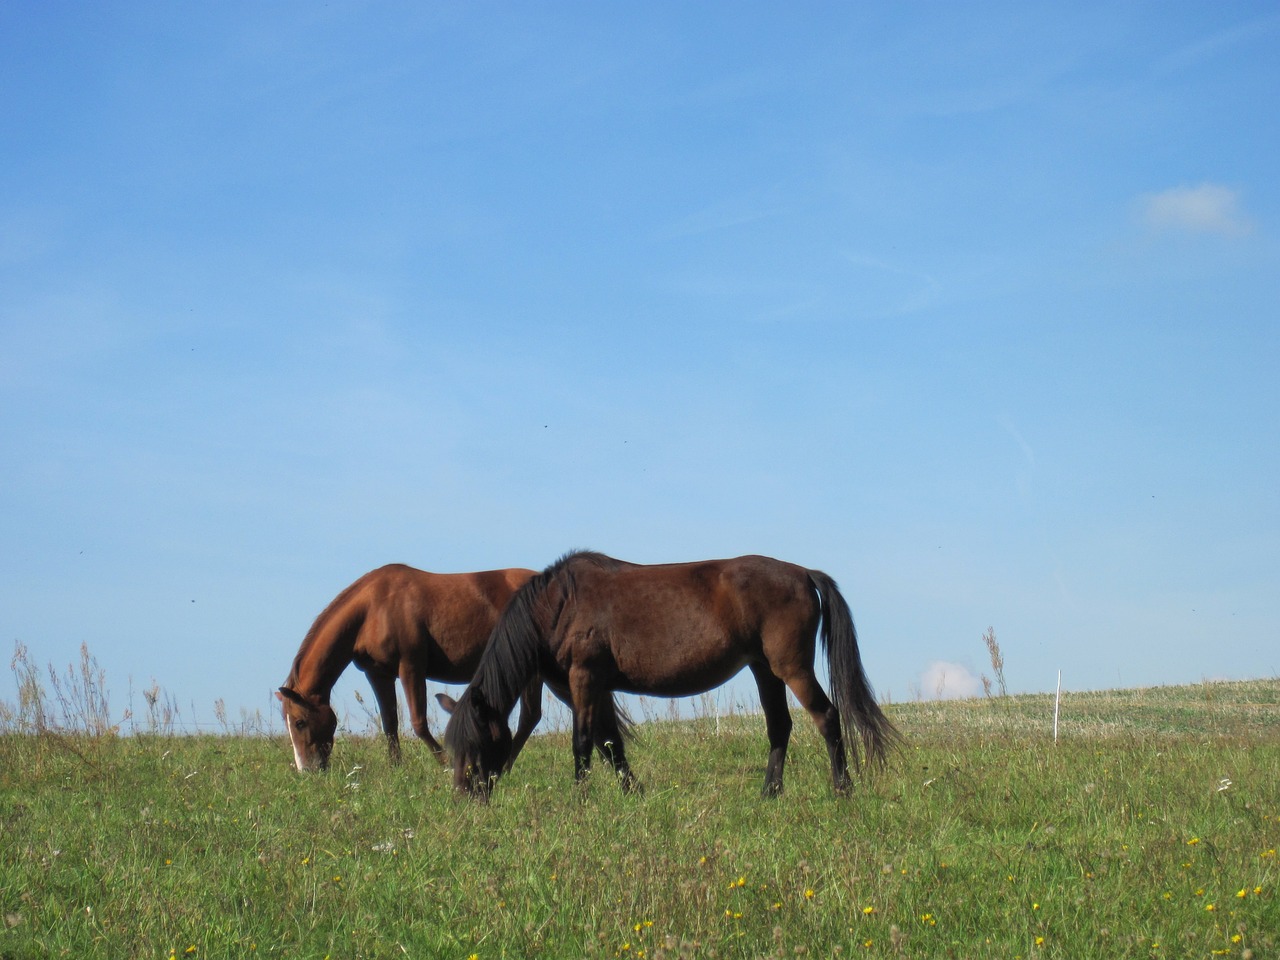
{"x": 511, "y": 658}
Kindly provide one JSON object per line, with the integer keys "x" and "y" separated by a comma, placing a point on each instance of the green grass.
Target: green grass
{"x": 1149, "y": 830}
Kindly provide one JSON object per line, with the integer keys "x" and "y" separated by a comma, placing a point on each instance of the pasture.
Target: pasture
{"x": 1149, "y": 829}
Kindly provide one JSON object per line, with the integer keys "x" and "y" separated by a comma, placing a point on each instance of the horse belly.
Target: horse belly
{"x": 676, "y": 669}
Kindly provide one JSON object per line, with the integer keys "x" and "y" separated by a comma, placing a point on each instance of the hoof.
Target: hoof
{"x": 631, "y": 785}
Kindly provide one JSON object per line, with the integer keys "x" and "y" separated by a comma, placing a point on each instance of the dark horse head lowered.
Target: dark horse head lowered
{"x": 595, "y": 625}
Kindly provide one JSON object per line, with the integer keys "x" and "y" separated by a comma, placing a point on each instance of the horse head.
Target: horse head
{"x": 311, "y": 725}
{"x": 480, "y": 740}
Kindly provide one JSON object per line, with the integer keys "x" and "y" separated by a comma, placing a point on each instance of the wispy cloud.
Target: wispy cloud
{"x": 728, "y": 215}
{"x": 1257, "y": 31}
{"x": 1022, "y": 478}
{"x": 1208, "y": 208}
{"x": 921, "y": 289}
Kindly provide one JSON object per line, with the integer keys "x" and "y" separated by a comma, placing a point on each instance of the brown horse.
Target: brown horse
{"x": 597, "y": 625}
{"x": 397, "y": 621}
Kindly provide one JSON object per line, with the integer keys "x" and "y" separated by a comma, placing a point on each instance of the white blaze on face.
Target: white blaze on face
{"x": 297, "y": 748}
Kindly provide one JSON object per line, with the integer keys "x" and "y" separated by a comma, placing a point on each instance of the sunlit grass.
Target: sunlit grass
{"x": 1150, "y": 830}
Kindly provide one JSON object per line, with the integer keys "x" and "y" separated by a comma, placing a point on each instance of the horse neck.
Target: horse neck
{"x": 326, "y": 651}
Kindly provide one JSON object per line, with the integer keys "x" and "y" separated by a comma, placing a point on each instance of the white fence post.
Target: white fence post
{"x": 1057, "y": 700}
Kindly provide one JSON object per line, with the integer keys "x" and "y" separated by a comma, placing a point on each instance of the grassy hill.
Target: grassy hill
{"x": 1149, "y": 829}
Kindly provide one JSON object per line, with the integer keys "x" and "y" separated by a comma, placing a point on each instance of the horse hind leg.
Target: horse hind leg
{"x": 777, "y": 720}
{"x": 827, "y": 719}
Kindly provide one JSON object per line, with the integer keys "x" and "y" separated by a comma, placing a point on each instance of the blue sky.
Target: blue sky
{"x": 974, "y": 309}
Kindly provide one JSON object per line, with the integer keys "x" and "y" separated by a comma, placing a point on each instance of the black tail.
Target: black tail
{"x": 850, "y": 690}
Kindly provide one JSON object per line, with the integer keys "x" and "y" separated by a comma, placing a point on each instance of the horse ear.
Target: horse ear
{"x": 447, "y": 702}
{"x": 284, "y": 693}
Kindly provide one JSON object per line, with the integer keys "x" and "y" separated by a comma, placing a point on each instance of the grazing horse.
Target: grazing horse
{"x": 597, "y": 625}
{"x": 397, "y": 621}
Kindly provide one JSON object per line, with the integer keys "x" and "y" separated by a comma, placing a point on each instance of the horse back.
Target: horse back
{"x": 683, "y": 627}
{"x": 739, "y": 592}
{"x": 437, "y": 621}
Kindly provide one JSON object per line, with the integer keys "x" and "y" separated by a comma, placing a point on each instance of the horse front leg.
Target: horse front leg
{"x": 384, "y": 691}
{"x": 582, "y": 702}
{"x": 777, "y": 722}
{"x": 415, "y": 701}
{"x": 582, "y": 739}
{"x": 612, "y": 745}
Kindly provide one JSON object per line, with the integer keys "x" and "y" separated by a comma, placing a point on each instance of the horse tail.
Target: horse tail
{"x": 850, "y": 690}
{"x": 626, "y": 726}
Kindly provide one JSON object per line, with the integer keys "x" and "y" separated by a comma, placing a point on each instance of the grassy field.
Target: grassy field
{"x": 1148, "y": 830}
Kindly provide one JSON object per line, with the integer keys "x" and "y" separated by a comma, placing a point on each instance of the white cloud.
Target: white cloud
{"x": 1208, "y": 208}
{"x": 942, "y": 680}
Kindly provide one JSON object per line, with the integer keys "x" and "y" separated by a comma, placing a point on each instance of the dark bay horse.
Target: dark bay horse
{"x": 397, "y": 621}
{"x": 597, "y": 625}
